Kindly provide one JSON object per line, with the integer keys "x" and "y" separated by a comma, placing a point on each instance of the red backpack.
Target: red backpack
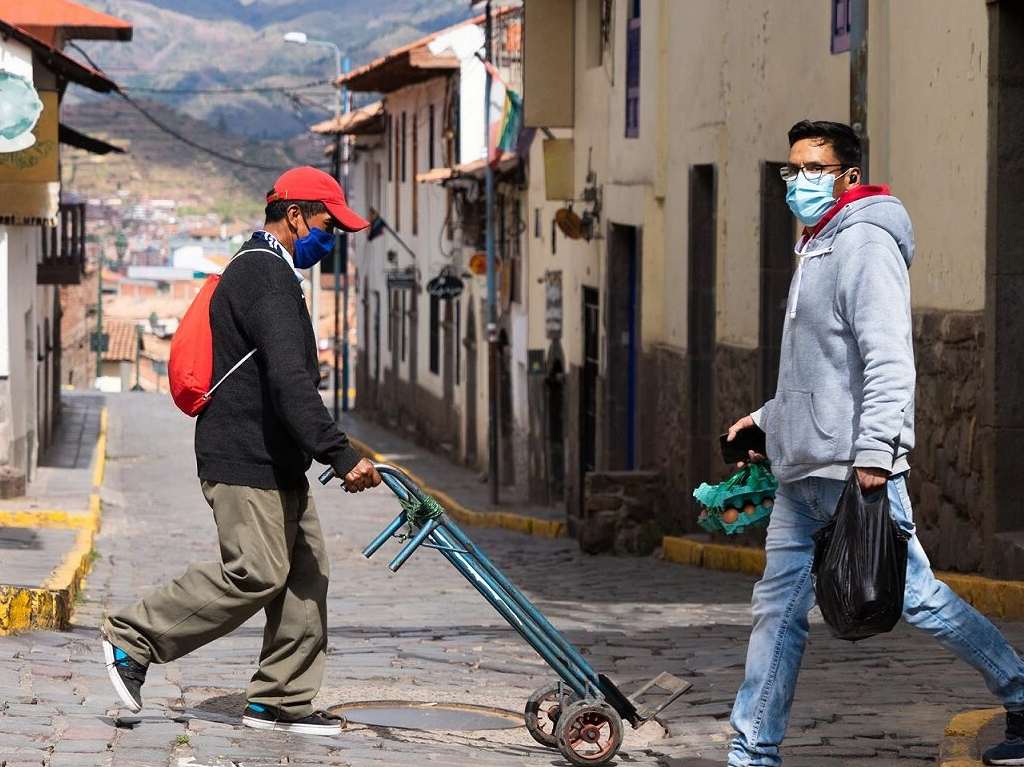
{"x": 190, "y": 368}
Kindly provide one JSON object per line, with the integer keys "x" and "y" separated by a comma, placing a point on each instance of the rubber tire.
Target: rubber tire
{"x": 532, "y": 708}
{"x": 575, "y": 710}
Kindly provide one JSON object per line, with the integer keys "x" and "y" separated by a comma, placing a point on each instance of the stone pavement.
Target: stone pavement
{"x": 424, "y": 635}
{"x": 63, "y": 479}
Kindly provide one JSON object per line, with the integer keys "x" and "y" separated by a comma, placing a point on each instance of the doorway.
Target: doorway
{"x": 470, "y": 343}
{"x": 554, "y": 426}
{"x": 376, "y": 341}
{"x": 588, "y": 385}
{"x": 505, "y": 420}
{"x": 622, "y": 336}
{"x": 1004, "y": 322}
{"x": 701, "y": 320}
{"x": 448, "y": 360}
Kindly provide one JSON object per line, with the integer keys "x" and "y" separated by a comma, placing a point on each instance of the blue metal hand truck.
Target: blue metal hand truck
{"x": 581, "y": 714}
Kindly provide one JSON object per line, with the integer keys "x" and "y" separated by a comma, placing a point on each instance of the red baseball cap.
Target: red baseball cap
{"x": 308, "y": 183}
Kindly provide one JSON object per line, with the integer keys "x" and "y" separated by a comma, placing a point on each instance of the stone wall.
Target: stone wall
{"x": 415, "y": 413}
{"x": 663, "y": 432}
{"x": 621, "y": 512}
{"x": 737, "y": 393}
{"x": 947, "y": 476}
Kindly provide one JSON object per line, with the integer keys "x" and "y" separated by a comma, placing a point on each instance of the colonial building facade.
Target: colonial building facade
{"x": 42, "y": 230}
{"x": 648, "y": 253}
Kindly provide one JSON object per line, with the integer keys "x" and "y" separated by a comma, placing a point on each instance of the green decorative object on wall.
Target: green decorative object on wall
{"x": 20, "y": 107}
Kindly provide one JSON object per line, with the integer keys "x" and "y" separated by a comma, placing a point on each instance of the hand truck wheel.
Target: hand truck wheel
{"x": 589, "y": 732}
{"x": 543, "y": 708}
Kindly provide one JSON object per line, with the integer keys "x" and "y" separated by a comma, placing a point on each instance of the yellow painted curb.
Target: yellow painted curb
{"x": 508, "y": 520}
{"x": 101, "y": 452}
{"x": 44, "y": 518}
{"x": 998, "y": 599}
{"x": 960, "y": 744}
{"x": 714, "y": 556}
{"x": 50, "y": 606}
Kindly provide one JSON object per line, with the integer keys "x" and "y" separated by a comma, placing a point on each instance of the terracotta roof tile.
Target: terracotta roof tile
{"x": 41, "y": 17}
{"x": 121, "y": 346}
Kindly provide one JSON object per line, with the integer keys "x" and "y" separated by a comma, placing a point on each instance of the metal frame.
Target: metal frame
{"x": 442, "y": 534}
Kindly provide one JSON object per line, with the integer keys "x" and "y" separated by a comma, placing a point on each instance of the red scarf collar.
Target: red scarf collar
{"x": 850, "y": 195}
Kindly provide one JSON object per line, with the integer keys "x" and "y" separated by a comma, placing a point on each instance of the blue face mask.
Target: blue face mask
{"x": 810, "y": 200}
{"x": 312, "y": 248}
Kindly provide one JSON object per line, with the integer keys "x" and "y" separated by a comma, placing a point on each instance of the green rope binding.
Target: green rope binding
{"x": 419, "y": 512}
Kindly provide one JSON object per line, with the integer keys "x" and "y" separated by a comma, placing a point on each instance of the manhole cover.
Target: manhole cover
{"x": 407, "y": 715}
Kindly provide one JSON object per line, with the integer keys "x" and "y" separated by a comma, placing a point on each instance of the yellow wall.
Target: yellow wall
{"x": 928, "y": 119}
{"x": 722, "y": 82}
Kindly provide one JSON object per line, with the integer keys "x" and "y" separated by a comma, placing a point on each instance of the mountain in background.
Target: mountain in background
{"x": 157, "y": 166}
{"x": 232, "y": 44}
{"x": 201, "y": 44}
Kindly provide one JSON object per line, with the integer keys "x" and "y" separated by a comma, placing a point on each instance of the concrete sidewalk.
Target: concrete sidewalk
{"x": 461, "y": 490}
{"x": 46, "y": 536}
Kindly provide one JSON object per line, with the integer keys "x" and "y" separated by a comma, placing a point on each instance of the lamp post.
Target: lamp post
{"x": 301, "y": 38}
{"x": 341, "y": 264}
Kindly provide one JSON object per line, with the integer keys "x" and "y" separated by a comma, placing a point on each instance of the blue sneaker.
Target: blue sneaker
{"x": 126, "y": 675}
{"x": 262, "y": 717}
{"x": 1011, "y": 750}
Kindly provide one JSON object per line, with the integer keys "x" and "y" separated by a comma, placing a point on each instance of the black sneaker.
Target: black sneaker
{"x": 262, "y": 717}
{"x": 125, "y": 674}
{"x": 1011, "y": 750}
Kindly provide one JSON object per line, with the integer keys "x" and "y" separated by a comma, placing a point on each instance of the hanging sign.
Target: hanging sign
{"x": 446, "y": 286}
{"x": 401, "y": 280}
{"x": 553, "y": 304}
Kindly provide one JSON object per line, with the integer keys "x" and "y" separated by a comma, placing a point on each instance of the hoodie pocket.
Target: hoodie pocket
{"x": 798, "y": 435}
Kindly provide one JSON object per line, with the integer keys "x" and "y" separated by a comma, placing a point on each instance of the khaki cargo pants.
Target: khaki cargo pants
{"x": 272, "y": 558}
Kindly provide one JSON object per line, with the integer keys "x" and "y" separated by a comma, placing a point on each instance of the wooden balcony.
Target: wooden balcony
{"x": 63, "y": 253}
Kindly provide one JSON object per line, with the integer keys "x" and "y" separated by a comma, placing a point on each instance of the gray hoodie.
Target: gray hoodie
{"x": 846, "y": 377}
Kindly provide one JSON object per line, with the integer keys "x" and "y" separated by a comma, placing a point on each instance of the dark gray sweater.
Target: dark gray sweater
{"x": 266, "y": 422}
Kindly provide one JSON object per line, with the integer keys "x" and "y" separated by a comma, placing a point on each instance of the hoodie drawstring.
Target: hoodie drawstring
{"x": 800, "y": 275}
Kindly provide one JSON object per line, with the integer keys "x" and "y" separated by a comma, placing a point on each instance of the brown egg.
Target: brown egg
{"x": 730, "y": 515}
{"x": 768, "y": 502}
{"x": 749, "y": 508}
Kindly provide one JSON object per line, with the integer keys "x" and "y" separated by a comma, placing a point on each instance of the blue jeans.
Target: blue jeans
{"x": 785, "y": 594}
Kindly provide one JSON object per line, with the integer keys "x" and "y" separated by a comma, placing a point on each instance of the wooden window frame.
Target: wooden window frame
{"x": 633, "y": 55}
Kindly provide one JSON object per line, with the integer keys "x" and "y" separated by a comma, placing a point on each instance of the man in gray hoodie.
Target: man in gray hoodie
{"x": 845, "y": 402}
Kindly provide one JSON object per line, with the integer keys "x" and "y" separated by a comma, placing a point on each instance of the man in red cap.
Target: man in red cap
{"x": 255, "y": 441}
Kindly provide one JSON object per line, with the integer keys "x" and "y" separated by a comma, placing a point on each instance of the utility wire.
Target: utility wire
{"x": 170, "y": 131}
{"x": 186, "y": 140}
{"x": 257, "y": 89}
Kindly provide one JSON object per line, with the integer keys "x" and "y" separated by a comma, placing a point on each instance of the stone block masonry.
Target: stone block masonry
{"x": 947, "y": 476}
{"x": 621, "y": 512}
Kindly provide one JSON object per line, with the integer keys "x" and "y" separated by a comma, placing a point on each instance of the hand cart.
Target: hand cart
{"x": 581, "y": 713}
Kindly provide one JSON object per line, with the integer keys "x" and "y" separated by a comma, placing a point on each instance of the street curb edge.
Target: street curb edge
{"x": 959, "y": 744}
{"x": 49, "y": 607}
{"x": 507, "y": 520}
{"x": 995, "y": 598}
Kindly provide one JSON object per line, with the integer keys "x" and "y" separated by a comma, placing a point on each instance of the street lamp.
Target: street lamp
{"x": 340, "y": 238}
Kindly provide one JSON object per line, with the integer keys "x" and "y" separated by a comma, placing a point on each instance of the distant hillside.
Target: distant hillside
{"x": 158, "y": 166}
{"x": 195, "y": 44}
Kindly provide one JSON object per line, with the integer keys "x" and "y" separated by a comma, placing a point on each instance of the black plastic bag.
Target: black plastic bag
{"x": 860, "y": 566}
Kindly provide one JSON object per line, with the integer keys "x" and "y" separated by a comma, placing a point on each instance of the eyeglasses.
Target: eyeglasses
{"x": 812, "y": 171}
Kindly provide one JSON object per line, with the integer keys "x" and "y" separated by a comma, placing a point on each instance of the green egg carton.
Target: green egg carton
{"x": 753, "y": 484}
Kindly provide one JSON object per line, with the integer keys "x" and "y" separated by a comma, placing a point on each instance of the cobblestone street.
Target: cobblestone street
{"x": 425, "y": 635}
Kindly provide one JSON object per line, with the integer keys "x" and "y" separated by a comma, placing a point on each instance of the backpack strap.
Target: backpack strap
{"x": 238, "y": 364}
{"x": 224, "y": 377}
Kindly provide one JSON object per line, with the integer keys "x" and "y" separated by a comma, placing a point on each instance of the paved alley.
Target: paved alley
{"x": 425, "y": 635}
